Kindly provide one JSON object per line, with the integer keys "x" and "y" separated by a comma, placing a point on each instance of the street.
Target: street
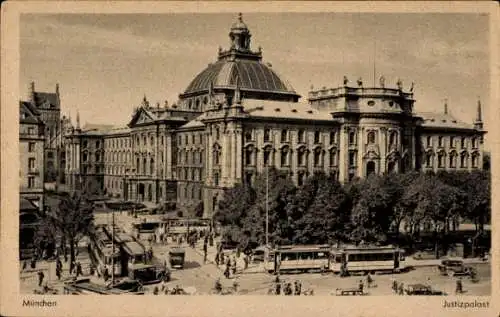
{"x": 202, "y": 276}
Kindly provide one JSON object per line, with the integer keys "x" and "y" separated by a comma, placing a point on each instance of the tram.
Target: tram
{"x": 298, "y": 258}
{"x": 367, "y": 259}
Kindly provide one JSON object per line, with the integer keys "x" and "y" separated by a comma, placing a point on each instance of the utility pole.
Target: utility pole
{"x": 267, "y": 205}
{"x": 113, "y": 248}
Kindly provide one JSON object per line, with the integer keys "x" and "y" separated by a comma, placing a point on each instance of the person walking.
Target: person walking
{"x": 40, "y": 278}
{"x": 459, "y": 287}
{"x": 369, "y": 280}
{"x": 58, "y": 273}
{"x": 78, "y": 269}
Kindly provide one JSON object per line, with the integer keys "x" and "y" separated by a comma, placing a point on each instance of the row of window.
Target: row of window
{"x": 193, "y": 174}
{"x": 188, "y": 157}
{"x": 285, "y": 157}
{"x": 452, "y": 142}
{"x": 116, "y": 143}
{"x": 190, "y": 138}
{"x": 452, "y": 160}
{"x": 285, "y": 136}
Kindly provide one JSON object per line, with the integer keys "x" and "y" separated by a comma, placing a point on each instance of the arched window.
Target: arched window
{"x": 429, "y": 141}
{"x": 393, "y": 138}
{"x": 248, "y": 136}
{"x": 317, "y": 157}
{"x": 267, "y": 156}
{"x": 144, "y": 166}
{"x": 474, "y": 158}
{"x": 428, "y": 160}
{"x": 333, "y": 157}
{"x": 267, "y": 134}
{"x": 371, "y": 137}
{"x": 452, "y": 141}
{"x": 284, "y": 135}
{"x": 440, "y": 160}
{"x": 333, "y": 137}
{"x": 440, "y": 141}
{"x": 217, "y": 133}
{"x": 284, "y": 156}
{"x": 301, "y": 136}
{"x": 463, "y": 143}
{"x": 463, "y": 160}
{"x": 152, "y": 166}
{"x": 474, "y": 143}
{"x": 317, "y": 137}
{"x": 352, "y": 138}
{"x": 452, "y": 160}
{"x": 248, "y": 156}
{"x": 197, "y": 104}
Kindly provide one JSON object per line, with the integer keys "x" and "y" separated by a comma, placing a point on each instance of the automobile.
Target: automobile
{"x": 125, "y": 286}
{"x": 176, "y": 258}
{"x": 421, "y": 289}
{"x": 454, "y": 267}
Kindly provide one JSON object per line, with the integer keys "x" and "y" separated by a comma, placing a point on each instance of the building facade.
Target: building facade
{"x": 238, "y": 117}
{"x": 32, "y": 155}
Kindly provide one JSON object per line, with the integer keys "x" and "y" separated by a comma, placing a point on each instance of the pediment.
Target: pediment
{"x": 141, "y": 117}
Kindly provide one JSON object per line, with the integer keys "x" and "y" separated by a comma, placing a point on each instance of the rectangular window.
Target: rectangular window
{"x": 429, "y": 141}
{"x": 31, "y": 182}
{"x": 452, "y": 141}
{"x": 352, "y": 138}
{"x": 31, "y": 130}
{"x": 31, "y": 147}
{"x": 50, "y": 155}
{"x": 440, "y": 141}
{"x": 267, "y": 135}
{"x": 284, "y": 135}
{"x": 31, "y": 163}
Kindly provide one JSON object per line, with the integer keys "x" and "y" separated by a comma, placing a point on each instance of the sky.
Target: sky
{"x": 106, "y": 63}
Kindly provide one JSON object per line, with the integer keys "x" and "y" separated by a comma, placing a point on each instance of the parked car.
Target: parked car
{"x": 421, "y": 289}
{"x": 454, "y": 267}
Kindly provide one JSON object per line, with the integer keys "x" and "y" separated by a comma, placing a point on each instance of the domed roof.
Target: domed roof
{"x": 253, "y": 75}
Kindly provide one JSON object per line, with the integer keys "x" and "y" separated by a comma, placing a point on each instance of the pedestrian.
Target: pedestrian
{"x": 401, "y": 289}
{"x": 217, "y": 259}
{"x": 459, "y": 288}
{"x": 78, "y": 269}
{"x": 33, "y": 263}
{"x": 235, "y": 285}
{"x": 395, "y": 286}
{"x": 218, "y": 286}
{"x": 58, "y": 273}
{"x": 226, "y": 272}
{"x": 369, "y": 280}
{"x": 204, "y": 257}
{"x": 58, "y": 263}
{"x": 278, "y": 288}
{"x": 156, "y": 290}
{"x": 298, "y": 287}
{"x": 361, "y": 286}
{"x": 71, "y": 267}
{"x": 25, "y": 264}
{"x": 40, "y": 278}
{"x": 245, "y": 259}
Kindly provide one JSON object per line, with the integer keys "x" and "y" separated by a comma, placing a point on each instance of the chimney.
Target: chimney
{"x": 478, "y": 124}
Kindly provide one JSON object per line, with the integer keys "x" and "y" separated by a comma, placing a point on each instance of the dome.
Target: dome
{"x": 253, "y": 76}
{"x": 239, "y": 24}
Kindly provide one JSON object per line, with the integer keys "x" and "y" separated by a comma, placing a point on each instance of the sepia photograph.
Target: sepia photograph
{"x": 254, "y": 153}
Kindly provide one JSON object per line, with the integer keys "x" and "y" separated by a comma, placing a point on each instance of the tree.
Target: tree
{"x": 74, "y": 219}
{"x": 325, "y": 218}
{"x": 371, "y": 214}
{"x": 233, "y": 205}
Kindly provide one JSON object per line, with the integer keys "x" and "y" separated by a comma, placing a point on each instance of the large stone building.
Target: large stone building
{"x": 238, "y": 116}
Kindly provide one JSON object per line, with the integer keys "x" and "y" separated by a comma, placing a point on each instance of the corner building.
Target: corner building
{"x": 238, "y": 116}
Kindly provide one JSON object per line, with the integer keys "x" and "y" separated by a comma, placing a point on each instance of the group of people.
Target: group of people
{"x": 286, "y": 288}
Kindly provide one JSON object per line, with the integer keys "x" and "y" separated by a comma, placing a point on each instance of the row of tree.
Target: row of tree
{"x": 365, "y": 210}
